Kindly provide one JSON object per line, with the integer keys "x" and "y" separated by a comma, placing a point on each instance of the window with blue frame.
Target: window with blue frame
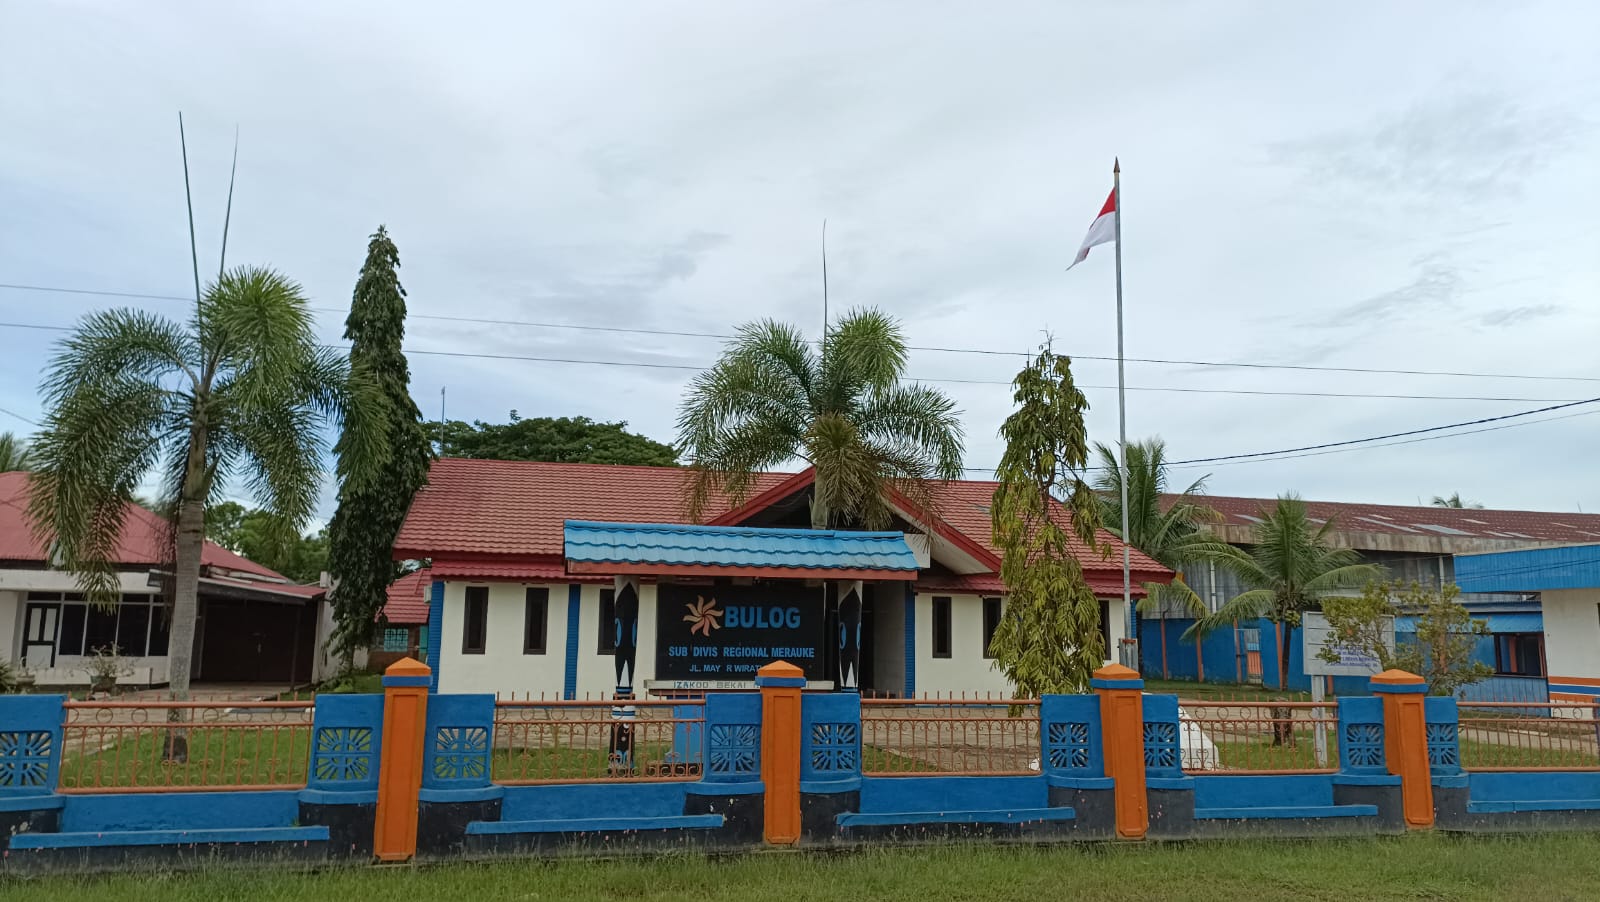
{"x": 1519, "y": 654}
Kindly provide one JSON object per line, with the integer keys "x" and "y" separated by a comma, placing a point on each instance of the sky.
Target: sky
{"x": 1369, "y": 186}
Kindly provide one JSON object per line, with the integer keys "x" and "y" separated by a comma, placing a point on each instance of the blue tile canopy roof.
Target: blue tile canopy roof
{"x": 680, "y": 545}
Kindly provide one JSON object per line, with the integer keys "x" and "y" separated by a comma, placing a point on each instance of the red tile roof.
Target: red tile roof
{"x": 483, "y": 508}
{"x": 1420, "y": 521}
{"x": 408, "y": 599}
{"x": 138, "y": 544}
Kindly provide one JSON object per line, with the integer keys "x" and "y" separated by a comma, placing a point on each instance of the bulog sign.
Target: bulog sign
{"x": 730, "y": 632}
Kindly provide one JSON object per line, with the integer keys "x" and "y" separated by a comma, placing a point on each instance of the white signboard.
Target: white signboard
{"x": 1316, "y": 635}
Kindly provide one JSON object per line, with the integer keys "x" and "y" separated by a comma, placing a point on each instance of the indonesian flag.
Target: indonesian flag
{"x": 1102, "y": 230}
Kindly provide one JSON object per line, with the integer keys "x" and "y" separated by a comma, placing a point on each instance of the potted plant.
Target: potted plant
{"x": 105, "y": 668}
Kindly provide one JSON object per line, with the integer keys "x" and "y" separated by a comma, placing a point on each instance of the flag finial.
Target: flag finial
{"x": 1116, "y": 165}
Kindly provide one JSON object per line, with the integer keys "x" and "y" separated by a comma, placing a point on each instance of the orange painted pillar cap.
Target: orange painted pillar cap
{"x": 408, "y": 667}
{"x": 1397, "y": 678}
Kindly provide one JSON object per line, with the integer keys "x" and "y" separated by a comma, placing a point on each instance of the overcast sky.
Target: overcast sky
{"x": 1391, "y": 186}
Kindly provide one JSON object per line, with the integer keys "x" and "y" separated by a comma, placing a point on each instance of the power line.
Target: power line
{"x": 531, "y": 358}
{"x": 20, "y": 417}
{"x": 934, "y": 348}
{"x": 1360, "y": 444}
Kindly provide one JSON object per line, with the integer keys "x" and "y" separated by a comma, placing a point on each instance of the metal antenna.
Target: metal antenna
{"x": 188, "y": 199}
{"x": 222, "y": 260}
{"x": 824, "y": 283}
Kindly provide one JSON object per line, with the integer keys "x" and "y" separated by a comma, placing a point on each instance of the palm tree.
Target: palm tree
{"x": 1289, "y": 567}
{"x": 1455, "y": 501}
{"x": 14, "y": 454}
{"x": 773, "y": 397}
{"x": 241, "y": 389}
{"x": 1170, "y": 536}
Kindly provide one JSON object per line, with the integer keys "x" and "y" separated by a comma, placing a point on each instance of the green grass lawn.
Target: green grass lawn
{"x": 1550, "y": 868}
{"x": 275, "y": 754}
{"x": 1258, "y": 753}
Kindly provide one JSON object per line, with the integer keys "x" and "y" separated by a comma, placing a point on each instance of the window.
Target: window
{"x": 160, "y": 627}
{"x": 133, "y": 629}
{"x": 102, "y": 631}
{"x": 941, "y": 627}
{"x": 476, "y": 626}
{"x": 1519, "y": 654}
{"x": 536, "y": 611}
{"x": 608, "y": 621}
{"x": 396, "y": 638}
{"x": 991, "y": 622}
{"x": 70, "y": 639}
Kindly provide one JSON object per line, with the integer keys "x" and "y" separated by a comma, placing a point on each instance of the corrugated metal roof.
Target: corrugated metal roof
{"x": 736, "y": 546}
{"x": 1530, "y": 570}
{"x": 1400, "y": 520}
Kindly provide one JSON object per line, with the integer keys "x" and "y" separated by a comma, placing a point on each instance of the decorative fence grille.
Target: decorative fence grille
{"x": 134, "y": 746}
{"x": 597, "y": 741}
{"x": 1519, "y": 736}
{"x": 949, "y": 736}
{"x": 1271, "y": 737}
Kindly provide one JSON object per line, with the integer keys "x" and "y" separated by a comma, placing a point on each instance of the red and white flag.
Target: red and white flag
{"x": 1102, "y": 230}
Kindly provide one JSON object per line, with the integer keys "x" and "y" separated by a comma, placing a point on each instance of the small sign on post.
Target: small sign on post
{"x": 1316, "y": 635}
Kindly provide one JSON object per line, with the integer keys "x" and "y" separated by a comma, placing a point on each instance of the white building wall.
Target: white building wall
{"x": 502, "y": 667}
{"x": 967, "y": 670}
{"x": 11, "y": 626}
{"x": 1572, "y": 639}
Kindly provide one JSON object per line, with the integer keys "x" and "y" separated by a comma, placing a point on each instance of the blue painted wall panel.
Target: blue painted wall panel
{"x": 1508, "y": 787}
{"x": 587, "y": 800}
{"x": 179, "y": 811}
{"x": 1530, "y": 570}
{"x": 1297, "y": 791}
{"x": 435, "y": 631}
{"x": 569, "y": 682}
{"x": 917, "y": 794}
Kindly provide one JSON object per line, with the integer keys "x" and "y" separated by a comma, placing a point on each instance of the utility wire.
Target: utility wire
{"x": 934, "y": 348}
{"x": 1142, "y": 388}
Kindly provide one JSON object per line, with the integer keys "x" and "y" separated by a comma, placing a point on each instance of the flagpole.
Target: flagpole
{"x": 1122, "y": 418}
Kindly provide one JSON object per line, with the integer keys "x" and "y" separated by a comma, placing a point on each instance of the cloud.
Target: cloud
{"x": 1460, "y": 148}
{"x": 1510, "y": 316}
{"x": 1437, "y": 286}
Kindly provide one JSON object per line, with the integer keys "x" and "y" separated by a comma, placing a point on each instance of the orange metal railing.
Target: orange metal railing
{"x": 586, "y": 741}
{"x": 952, "y": 736}
{"x": 1258, "y": 737}
{"x": 161, "y": 746}
{"x": 1529, "y": 736}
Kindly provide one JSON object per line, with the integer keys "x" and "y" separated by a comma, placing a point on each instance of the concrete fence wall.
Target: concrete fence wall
{"x": 413, "y": 774}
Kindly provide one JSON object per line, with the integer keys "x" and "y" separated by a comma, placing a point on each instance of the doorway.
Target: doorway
{"x": 41, "y": 621}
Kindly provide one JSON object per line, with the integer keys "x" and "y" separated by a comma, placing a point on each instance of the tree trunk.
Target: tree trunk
{"x": 819, "y": 510}
{"x": 191, "y": 538}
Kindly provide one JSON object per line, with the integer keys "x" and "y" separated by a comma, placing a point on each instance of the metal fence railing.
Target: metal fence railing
{"x": 1519, "y": 736}
{"x": 134, "y": 746}
{"x": 988, "y": 737}
{"x": 596, "y": 741}
{"x": 1256, "y": 737}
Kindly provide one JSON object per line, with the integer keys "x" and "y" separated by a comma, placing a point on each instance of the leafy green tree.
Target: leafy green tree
{"x": 1049, "y": 637}
{"x": 553, "y": 439}
{"x": 773, "y": 397}
{"x": 1455, "y": 501}
{"x": 240, "y": 389}
{"x": 13, "y": 454}
{"x": 1446, "y": 634}
{"x": 224, "y": 520}
{"x": 1172, "y": 534}
{"x": 1289, "y": 567}
{"x": 361, "y": 535}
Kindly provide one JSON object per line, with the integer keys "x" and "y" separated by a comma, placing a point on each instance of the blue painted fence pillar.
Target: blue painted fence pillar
{"x": 1364, "y": 777}
{"x": 456, "y": 785}
{"x": 342, "y": 780}
{"x": 1072, "y": 759}
{"x": 1170, "y": 791}
{"x": 30, "y": 765}
{"x": 730, "y": 776}
{"x": 830, "y": 761}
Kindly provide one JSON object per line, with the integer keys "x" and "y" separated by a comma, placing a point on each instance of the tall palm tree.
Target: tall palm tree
{"x": 1288, "y": 568}
{"x": 240, "y": 389}
{"x": 773, "y": 397}
{"x": 1455, "y": 501}
{"x": 14, "y": 454}
{"x": 1171, "y": 535}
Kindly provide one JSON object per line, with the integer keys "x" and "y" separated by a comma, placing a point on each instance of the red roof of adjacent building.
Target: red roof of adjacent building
{"x": 138, "y": 544}
{"x": 408, "y": 599}
{"x": 1420, "y": 521}
{"x": 479, "y": 511}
